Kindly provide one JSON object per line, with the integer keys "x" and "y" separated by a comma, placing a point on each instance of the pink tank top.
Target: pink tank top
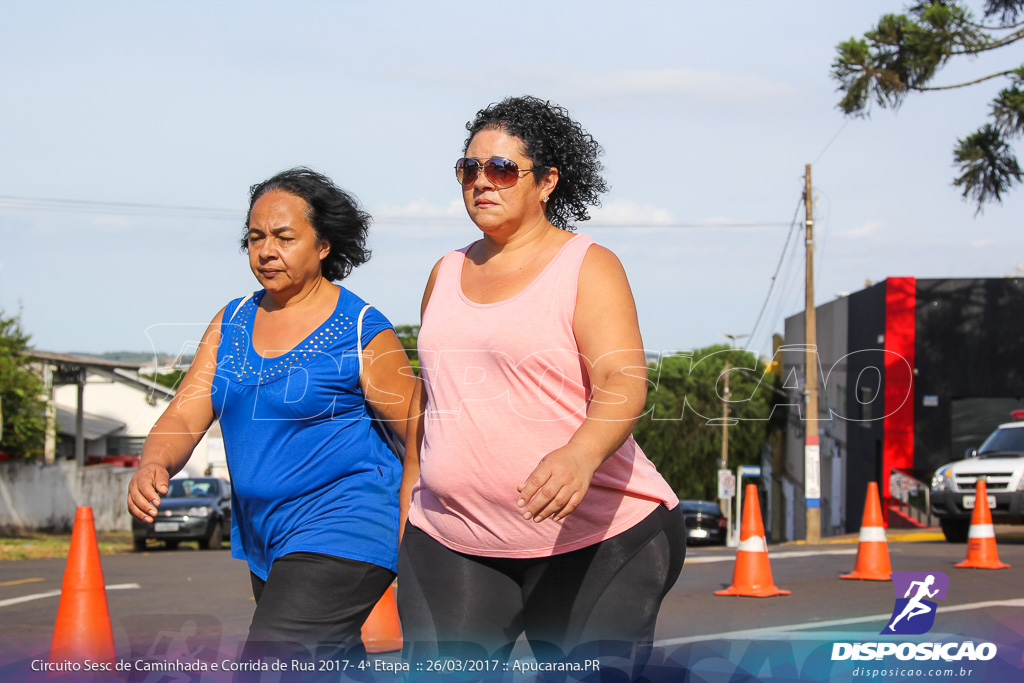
{"x": 505, "y": 386}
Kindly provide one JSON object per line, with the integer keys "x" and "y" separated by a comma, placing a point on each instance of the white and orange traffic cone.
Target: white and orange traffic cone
{"x": 82, "y": 630}
{"x": 382, "y": 632}
{"x": 873, "y": 550}
{"x": 981, "y": 538}
{"x": 752, "y": 574}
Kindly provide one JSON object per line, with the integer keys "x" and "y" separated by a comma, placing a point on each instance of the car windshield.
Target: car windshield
{"x": 706, "y": 508}
{"x": 191, "y": 488}
{"x": 1002, "y": 441}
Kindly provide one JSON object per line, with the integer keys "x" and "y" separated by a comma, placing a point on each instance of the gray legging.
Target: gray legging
{"x": 460, "y": 606}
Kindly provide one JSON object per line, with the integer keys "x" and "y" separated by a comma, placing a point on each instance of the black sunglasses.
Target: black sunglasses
{"x": 500, "y": 171}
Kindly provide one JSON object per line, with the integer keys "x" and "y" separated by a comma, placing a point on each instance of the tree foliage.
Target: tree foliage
{"x": 171, "y": 379}
{"x": 408, "y": 335}
{"x": 904, "y": 52}
{"x": 685, "y": 395}
{"x": 22, "y": 397}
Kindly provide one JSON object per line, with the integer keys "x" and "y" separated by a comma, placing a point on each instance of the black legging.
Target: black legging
{"x": 458, "y": 605}
{"x": 313, "y": 605}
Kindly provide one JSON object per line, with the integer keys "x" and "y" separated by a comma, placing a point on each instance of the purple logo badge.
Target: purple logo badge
{"x": 914, "y": 611}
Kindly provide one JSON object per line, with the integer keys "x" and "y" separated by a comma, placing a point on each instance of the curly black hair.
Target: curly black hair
{"x": 334, "y": 214}
{"x": 550, "y": 139}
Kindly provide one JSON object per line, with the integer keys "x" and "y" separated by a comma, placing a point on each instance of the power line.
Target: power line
{"x": 789, "y": 281}
{"x": 705, "y": 224}
{"x": 783, "y": 299}
{"x": 132, "y": 208}
{"x": 694, "y": 225}
{"x": 698, "y": 224}
{"x": 822, "y": 152}
{"x": 778, "y": 267}
{"x": 826, "y": 230}
{"x": 791, "y": 291}
{"x": 53, "y": 204}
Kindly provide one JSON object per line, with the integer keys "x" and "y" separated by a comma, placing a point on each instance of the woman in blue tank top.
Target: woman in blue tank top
{"x": 315, "y": 484}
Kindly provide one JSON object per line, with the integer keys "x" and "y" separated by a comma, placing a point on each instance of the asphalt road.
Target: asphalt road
{"x": 151, "y": 597}
{"x": 818, "y": 595}
{"x": 163, "y": 603}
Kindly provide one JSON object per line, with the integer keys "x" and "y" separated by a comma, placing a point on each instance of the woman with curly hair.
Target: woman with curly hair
{"x": 529, "y": 506}
{"x": 314, "y": 483}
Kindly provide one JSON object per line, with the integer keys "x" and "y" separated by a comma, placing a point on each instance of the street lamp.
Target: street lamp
{"x": 734, "y": 337}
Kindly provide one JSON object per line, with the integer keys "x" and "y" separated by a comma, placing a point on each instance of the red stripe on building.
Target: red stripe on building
{"x": 900, "y": 323}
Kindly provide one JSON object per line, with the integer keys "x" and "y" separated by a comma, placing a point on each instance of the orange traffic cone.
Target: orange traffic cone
{"x": 752, "y": 575}
{"x": 83, "y": 630}
{"x": 981, "y": 539}
{"x": 873, "y": 550}
{"x": 382, "y": 631}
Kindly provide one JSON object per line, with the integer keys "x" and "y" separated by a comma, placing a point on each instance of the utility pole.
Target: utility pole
{"x": 725, "y": 420}
{"x": 812, "y": 460}
{"x": 725, "y": 403}
{"x": 733, "y": 533}
{"x": 724, "y": 503}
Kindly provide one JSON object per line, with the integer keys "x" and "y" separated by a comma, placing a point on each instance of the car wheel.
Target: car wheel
{"x": 171, "y": 545}
{"x": 955, "y": 530}
{"x": 139, "y": 544}
{"x": 213, "y": 541}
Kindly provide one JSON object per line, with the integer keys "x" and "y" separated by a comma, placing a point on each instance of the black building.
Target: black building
{"x": 912, "y": 373}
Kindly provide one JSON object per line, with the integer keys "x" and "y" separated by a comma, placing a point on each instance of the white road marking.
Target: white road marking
{"x": 783, "y": 632}
{"x": 51, "y": 594}
{"x": 771, "y": 556}
{"x": 28, "y": 598}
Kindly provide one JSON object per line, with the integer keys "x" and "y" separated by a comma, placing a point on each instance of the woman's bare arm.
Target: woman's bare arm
{"x": 174, "y": 436}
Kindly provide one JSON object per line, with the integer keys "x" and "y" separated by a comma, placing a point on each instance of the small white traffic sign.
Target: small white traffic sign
{"x": 726, "y": 484}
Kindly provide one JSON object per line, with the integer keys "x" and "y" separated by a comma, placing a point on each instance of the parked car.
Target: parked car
{"x": 705, "y": 522}
{"x": 1000, "y": 462}
{"x": 194, "y": 509}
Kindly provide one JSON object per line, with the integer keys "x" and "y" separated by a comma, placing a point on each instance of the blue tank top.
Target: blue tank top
{"x": 310, "y": 471}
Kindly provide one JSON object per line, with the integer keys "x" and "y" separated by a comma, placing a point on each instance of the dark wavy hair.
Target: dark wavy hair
{"x": 551, "y": 139}
{"x": 334, "y": 214}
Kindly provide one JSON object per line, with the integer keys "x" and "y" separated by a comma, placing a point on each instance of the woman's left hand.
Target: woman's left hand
{"x": 557, "y": 485}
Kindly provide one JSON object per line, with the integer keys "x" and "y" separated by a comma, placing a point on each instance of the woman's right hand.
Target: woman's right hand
{"x": 178, "y": 430}
{"x": 145, "y": 489}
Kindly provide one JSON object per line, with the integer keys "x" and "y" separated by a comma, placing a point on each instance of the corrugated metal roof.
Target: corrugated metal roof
{"x": 94, "y": 426}
{"x": 73, "y": 359}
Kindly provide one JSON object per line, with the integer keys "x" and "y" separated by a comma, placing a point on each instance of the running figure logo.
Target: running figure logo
{"x": 914, "y": 613}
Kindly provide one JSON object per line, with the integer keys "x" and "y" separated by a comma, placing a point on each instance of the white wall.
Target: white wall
{"x": 44, "y": 497}
{"x": 132, "y": 406}
{"x": 115, "y": 401}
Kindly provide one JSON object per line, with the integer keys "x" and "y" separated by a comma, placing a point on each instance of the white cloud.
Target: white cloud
{"x": 114, "y": 224}
{"x": 981, "y": 244}
{"x": 623, "y": 211}
{"x": 702, "y": 85}
{"x": 869, "y": 228}
{"x": 618, "y": 212}
{"x": 699, "y": 85}
{"x": 419, "y": 210}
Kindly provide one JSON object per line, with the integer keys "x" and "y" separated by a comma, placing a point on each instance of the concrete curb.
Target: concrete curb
{"x": 911, "y": 536}
{"x": 891, "y": 535}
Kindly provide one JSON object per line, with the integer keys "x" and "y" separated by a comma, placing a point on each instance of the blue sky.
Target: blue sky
{"x": 708, "y": 113}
